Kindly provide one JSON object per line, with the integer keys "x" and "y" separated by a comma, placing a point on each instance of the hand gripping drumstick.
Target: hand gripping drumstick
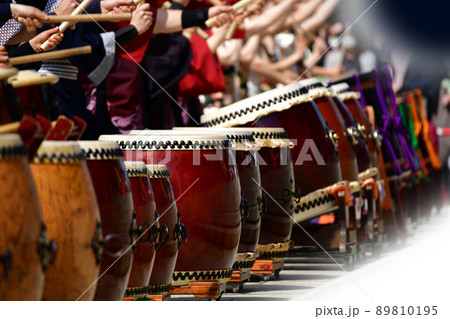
{"x": 59, "y": 54}
{"x": 237, "y": 6}
{"x": 85, "y": 18}
{"x": 63, "y": 27}
{"x": 234, "y": 24}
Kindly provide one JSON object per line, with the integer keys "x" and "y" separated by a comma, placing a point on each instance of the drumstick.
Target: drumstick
{"x": 85, "y": 18}
{"x": 370, "y": 115}
{"x": 63, "y": 27}
{"x": 231, "y": 30}
{"x": 202, "y": 33}
{"x": 216, "y": 2}
{"x": 59, "y": 54}
{"x": 235, "y": 7}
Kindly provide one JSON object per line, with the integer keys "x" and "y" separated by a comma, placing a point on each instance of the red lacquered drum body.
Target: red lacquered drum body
{"x": 166, "y": 255}
{"x": 351, "y": 101}
{"x": 205, "y": 182}
{"x": 244, "y": 150}
{"x": 71, "y": 213}
{"x": 113, "y": 191}
{"x": 357, "y": 134}
{"x": 277, "y": 179}
{"x": 21, "y": 271}
{"x": 332, "y": 116}
{"x": 145, "y": 246}
{"x": 315, "y": 157}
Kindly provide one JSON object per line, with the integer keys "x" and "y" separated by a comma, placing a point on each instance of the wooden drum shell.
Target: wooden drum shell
{"x": 210, "y": 206}
{"x": 20, "y": 228}
{"x": 144, "y": 254}
{"x": 277, "y": 179}
{"x": 250, "y": 180}
{"x": 71, "y": 214}
{"x": 113, "y": 191}
{"x": 166, "y": 255}
{"x": 304, "y": 123}
{"x": 347, "y": 155}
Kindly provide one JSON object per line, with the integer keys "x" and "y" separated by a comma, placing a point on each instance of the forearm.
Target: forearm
{"x": 228, "y": 53}
{"x": 287, "y": 62}
{"x": 170, "y": 21}
{"x": 261, "y": 67}
{"x": 320, "y": 16}
{"x": 217, "y": 38}
{"x": 248, "y": 51}
{"x": 261, "y": 23}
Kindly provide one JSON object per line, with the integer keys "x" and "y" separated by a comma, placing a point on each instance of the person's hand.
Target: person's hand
{"x": 335, "y": 71}
{"x": 301, "y": 44}
{"x": 51, "y": 35}
{"x": 142, "y": 17}
{"x": 66, "y": 7}
{"x": 319, "y": 45}
{"x": 221, "y": 13}
{"x": 117, "y": 6}
{"x": 30, "y": 14}
{"x": 3, "y": 57}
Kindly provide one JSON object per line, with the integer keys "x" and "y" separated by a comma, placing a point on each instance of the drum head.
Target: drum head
{"x": 11, "y": 146}
{"x": 31, "y": 78}
{"x": 251, "y": 109}
{"x": 158, "y": 171}
{"x": 57, "y": 152}
{"x": 169, "y": 140}
{"x": 7, "y": 72}
{"x": 101, "y": 150}
{"x": 242, "y": 138}
{"x": 136, "y": 169}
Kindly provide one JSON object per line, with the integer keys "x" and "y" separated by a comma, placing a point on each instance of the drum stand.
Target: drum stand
{"x": 212, "y": 290}
{"x": 159, "y": 292}
{"x": 270, "y": 261}
{"x": 201, "y": 284}
{"x": 241, "y": 270}
{"x": 340, "y": 236}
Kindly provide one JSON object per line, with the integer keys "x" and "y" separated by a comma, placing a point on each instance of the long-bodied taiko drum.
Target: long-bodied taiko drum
{"x": 166, "y": 255}
{"x": 253, "y": 203}
{"x": 278, "y": 185}
{"x": 354, "y": 157}
{"x": 72, "y": 217}
{"x": 205, "y": 181}
{"x": 114, "y": 197}
{"x": 30, "y": 87}
{"x": 315, "y": 157}
{"x": 22, "y": 234}
{"x": 146, "y": 230}
{"x": 316, "y": 164}
{"x": 346, "y": 96}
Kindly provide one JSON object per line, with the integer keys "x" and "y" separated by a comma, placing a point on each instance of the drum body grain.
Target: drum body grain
{"x": 145, "y": 244}
{"x": 72, "y": 217}
{"x": 114, "y": 197}
{"x": 166, "y": 255}
{"x": 21, "y": 274}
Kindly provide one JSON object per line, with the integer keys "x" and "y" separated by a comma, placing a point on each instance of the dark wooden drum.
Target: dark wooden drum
{"x": 348, "y": 138}
{"x": 245, "y": 149}
{"x": 72, "y": 217}
{"x": 315, "y": 157}
{"x": 29, "y": 87}
{"x": 146, "y": 230}
{"x": 166, "y": 255}
{"x": 205, "y": 181}
{"x": 277, "y": 180}
{"x": 21, "y": 271}
{"x": 113, "y": 191}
